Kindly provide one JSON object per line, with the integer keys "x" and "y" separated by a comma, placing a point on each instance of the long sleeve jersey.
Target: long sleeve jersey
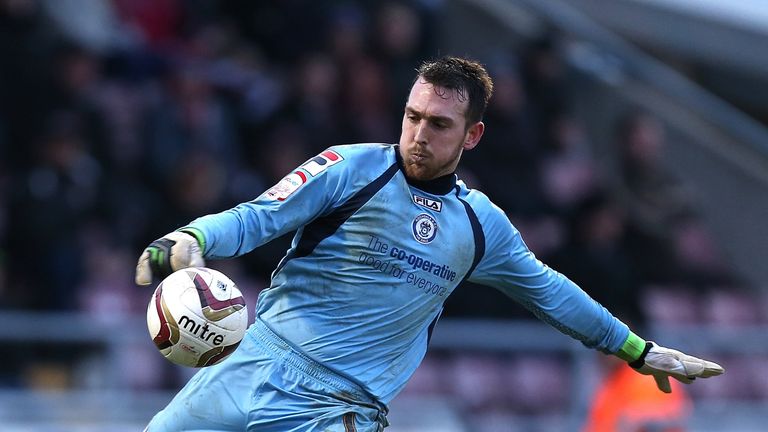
{"x": 375, "y": 256}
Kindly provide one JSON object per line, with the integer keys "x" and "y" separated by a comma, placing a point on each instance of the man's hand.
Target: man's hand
{"x": 663, "y": 363}
{"x": 167, "y": 254}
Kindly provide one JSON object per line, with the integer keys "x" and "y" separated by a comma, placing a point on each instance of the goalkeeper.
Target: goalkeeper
{"x": 384, "y": 234}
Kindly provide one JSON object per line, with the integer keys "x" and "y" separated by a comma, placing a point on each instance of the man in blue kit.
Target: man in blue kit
{"x": 384, "y": 234}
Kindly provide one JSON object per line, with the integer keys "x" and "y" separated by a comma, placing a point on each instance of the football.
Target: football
{"x": 197, "y": 317}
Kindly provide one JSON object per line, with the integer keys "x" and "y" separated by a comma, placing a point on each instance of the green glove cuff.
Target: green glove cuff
{"x": 632, "y": 349}
{"x": 197, "y": 234}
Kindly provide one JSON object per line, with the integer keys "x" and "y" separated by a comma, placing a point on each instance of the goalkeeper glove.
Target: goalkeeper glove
{"x": 663, "y": 363}
{"x": 173, "y": 251}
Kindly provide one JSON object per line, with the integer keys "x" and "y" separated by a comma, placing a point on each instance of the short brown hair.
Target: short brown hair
{"x": 467, "y": 77}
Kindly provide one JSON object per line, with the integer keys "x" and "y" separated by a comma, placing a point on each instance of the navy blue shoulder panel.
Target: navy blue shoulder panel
{"x": 477, "y": 233}
{"x": 324, "y": 226}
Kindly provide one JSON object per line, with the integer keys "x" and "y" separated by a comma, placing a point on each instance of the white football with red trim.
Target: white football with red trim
{"x": 197, "y": 317}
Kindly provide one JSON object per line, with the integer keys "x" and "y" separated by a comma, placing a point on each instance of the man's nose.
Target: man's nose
{"x": 422, "y": 133}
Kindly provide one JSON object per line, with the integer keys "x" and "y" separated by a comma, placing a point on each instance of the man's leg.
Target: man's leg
{"x": 263, "y": 387}
{"x": 298, "y": 394}
{"x": 292, "y": 401}
{"x": 218, "y": 397}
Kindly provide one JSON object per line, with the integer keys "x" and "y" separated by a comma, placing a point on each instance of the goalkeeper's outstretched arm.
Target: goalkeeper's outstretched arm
{"x": 506, "y": 263}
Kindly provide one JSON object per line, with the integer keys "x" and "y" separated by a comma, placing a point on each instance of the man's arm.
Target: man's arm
{"x": 299, "y": 197}
{"x": 513, "y": 269}
{"x": 310, "y": 190}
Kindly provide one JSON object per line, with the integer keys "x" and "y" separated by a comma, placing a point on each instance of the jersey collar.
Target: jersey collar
{"x": 439, "y": 186}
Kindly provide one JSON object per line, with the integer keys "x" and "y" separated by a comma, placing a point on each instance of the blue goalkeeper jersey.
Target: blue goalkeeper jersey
{"x": 376, "y": 255}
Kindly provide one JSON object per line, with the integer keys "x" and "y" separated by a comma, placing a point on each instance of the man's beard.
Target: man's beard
{"x": 422, "y": 170}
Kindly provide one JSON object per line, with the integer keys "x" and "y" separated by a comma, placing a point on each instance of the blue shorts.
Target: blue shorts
{"x": 267, "y": 385}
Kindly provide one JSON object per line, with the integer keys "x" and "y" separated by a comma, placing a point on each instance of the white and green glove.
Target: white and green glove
{"x": 662, "y": 363}
{"x": 174, "y": 251}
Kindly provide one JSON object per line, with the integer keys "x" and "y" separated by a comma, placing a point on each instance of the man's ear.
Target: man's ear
{"x": 473, "y": 135}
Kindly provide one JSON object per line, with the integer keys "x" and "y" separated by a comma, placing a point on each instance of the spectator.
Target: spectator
{"x": 628, "y": 402}
{"x": 652, "y": 194}
{"x": 52, "y": 204}
{"x": 597, "y": 258}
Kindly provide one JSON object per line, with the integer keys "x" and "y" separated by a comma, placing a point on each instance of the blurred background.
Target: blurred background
{"x": 626, "y": 140}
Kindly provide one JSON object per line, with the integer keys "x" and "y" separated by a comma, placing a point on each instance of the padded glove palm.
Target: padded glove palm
{"x": 173, "y": 251}
{"x": 663, "y": 363}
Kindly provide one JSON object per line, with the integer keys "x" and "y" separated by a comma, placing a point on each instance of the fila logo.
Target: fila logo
{"x": 319, "y": 163}
{"x": 431, "y": 204}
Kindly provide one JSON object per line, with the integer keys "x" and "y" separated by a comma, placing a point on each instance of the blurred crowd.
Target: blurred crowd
{"x": 125, "y": 119}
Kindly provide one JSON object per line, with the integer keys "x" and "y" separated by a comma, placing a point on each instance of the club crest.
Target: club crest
{"x": 424, "y": 228}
